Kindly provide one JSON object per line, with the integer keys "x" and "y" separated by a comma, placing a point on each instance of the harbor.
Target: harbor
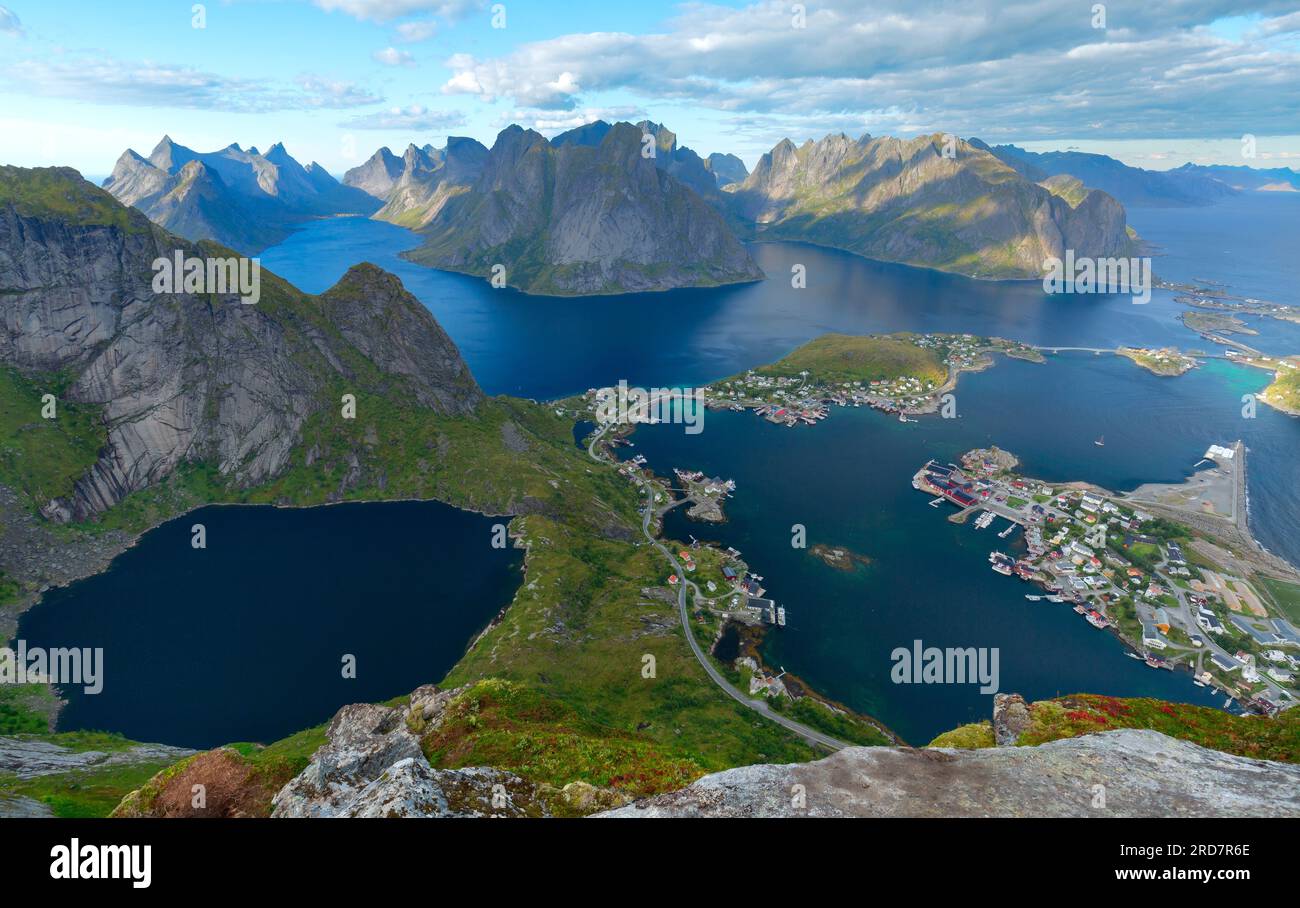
{"x": 1125, "y": 569}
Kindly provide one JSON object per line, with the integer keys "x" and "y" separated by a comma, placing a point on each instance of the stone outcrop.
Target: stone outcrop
{"x": 372, "y": 766}
{"x": 1140, "y": 773}
{"x": 28, "y": 758}
{"x": 1010, "y": 718}
{"x": 192, "y": 377}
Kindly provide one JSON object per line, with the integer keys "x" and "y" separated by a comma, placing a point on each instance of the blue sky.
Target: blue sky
{"x": 1157, "y": 83}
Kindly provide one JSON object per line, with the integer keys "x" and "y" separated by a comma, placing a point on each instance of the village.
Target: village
{"x": 1124, "y": 569}
{"x": 805, "y": 397}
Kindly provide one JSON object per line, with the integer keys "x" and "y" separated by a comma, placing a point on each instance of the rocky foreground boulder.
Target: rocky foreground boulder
{"x": 1126, "y": 773}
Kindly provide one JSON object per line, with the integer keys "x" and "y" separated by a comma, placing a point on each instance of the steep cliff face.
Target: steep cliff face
{"x": 240, "y": 198}
{"x": 906, "y": 201}
{"x": 577, "y": 218}
{"x": 194, "y": 377}
{"x": 1140, "y": 774}
{"x": 429, "y": 178}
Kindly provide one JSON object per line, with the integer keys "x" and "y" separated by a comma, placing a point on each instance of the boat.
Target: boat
{"x": 1100, "y": 442}
{"x": 1002, "y": 568}
{"x": 1034, "y": 598}
{"x": 1227, "y": 703}
{"x": 1199, "y": 683}
{"x": 1055, "y": 599}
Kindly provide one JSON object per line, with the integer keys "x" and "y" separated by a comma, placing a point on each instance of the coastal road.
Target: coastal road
{"x": 758, "y": 706}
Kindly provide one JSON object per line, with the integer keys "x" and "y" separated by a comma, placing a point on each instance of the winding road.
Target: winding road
{"x": 809, "y": 734}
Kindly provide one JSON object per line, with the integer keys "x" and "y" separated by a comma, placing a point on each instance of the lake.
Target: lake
{"x": 245, "y": 640}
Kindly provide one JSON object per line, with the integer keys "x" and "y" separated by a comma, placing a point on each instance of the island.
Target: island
{"x": 839, "y": 557}
{"x": 1164, "y": 361}
{"x": 901, "y": 374}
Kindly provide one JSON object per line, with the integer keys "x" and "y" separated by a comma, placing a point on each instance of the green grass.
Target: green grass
{"x": 849, "y": 358}
{"x": 1248, "y": 736}
{"x": 838, "y": 725}
{"x": 1285, "y": 596}
{"x": 84, "y": 793}
{"x": 577, "y": 632}
{"x": 59, "y": 193}
{"x": 25, "y": 708}
{"x": 514, "y": 727}
{"x": 42, "y": 458}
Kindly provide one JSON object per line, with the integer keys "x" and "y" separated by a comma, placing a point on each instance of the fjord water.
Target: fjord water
{"x": 185, "y": 636}
{"x": 848, "y": 482}
{"x": 245, "y": 640}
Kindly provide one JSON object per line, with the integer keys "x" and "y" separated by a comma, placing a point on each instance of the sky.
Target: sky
{"x": 1152, "y": 82}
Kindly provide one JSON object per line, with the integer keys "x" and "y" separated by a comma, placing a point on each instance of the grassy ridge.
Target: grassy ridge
{"x": 846, "y": 357}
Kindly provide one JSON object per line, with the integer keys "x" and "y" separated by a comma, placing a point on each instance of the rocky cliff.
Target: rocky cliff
{"x": 1127, "y": 773}
{"x": 194, "y": 377}
{"x": 429, "y": 178}
{"x": 908, "y": 201}
{"x": 575, "y": 217}
{"x": 240, "y": 198}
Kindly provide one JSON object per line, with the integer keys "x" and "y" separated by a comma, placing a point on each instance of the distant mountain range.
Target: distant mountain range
{"x": 608, "y": 208}
{"x": 1190, "y": 184}
{"x": 243, "y": 199}
{"x": 911, "y": 201}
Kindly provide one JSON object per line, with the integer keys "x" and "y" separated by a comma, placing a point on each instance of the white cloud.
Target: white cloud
{"x": 9, "y": 22}
{"x": 104, "y": 80}
{"x": 415, "y": 31}
{"x": 415, "y": 117}
{"x": 391, "y": 56}
{"x": 986, "y": 67}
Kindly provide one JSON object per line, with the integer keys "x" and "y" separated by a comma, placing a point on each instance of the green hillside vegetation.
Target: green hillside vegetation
{"x": 42, "y": 458}
{"x": 1257, "y": 737}
{"x": 847, "y": 357}
{"x": 59, "y": 192}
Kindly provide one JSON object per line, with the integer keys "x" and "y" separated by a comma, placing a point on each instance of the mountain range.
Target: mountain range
{"x": 586, "y": 213}
{"x": 620, "y": 207}
{"x": 240, "y": 198}
{"x": 955, "y": 207}
{"x": 1133, "y": 186}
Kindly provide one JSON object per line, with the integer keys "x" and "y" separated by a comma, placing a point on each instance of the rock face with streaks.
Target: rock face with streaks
{"x": 194, "y": 377}
{"x": 1143, "y": 774}
{"x": 597, "y": 215}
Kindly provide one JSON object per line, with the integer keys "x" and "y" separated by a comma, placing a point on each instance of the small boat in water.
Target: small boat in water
{"x": 1100, "y": 442}
{"x": 1034, "y": 598}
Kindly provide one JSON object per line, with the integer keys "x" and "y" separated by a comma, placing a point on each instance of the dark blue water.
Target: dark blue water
{"x": 244, "y": 640}
{"x": 546, "y": 348}
{"x": 1248, "y": 242}
{"x": 848, "y": 482}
